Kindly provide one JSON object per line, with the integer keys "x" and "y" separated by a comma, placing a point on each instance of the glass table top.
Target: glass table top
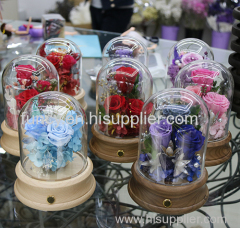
{"x": 111, "y": 205}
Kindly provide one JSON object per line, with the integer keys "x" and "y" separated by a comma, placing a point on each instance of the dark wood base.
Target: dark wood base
{"x": 168, "y": 200}
{"x": 218, "y": 152}
{"x": 112, "y": 149}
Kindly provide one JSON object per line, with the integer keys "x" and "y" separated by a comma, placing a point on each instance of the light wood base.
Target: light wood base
{"x": 181, "y": 199}
{"x": 80, "y": 99}
{"x": 66, "y": 194}
{"x": 112, "y": 149}
{"x": 10, "y": 140}
{"x": 218, "y": 152}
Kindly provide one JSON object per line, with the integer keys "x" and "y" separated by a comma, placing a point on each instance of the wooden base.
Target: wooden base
{"x": 10, "y": 140}
{"x": 112, "y": 149}
{"x": 165, "y": 199}
{"x": 218, "y": 152}
{"x": 80, "y": 99}
{"x": 54, "y": 195}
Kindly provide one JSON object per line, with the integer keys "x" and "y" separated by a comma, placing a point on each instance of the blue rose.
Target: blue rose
{"x": 35, "y": 127}
{"x": 59, "y": 133}
{"x": 175, "y": 110}
{"x": 189, "y": 139}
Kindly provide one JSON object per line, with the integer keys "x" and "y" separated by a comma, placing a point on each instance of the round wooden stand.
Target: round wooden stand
{"x": 165, "y": 199}
{"x": 114, "y": 150}
{"x": 218, "y": 152}
{"x": 54, "y": 195}
{"x": 80, "y": 99}
{"x": 10, "y": 140}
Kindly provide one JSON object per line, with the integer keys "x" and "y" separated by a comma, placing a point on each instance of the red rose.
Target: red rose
{"x": 135, "y": 107}
{"x": 43, "y": 86}
{"x": 125, "y": 77}
{"x": 55, "y": 58}
{"x": 115, "y": 104}
{"x": 68, "y": 62}
{"x": 24, "y": 73}
{"x": 24, "y": 96}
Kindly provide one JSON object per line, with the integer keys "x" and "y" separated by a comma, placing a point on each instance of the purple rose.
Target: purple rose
{"x": 190, "y": 57}
{"x": 161, "y": 134}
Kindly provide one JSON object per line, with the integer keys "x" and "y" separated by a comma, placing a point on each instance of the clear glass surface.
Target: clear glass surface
{"x": 173, "y": 137}
{"x": 53, "y": 137}
{"x": 125, "y": 47}
{"x": 184, "y": 52}
{"x": 214, "y": 83}
{"x": 67, "y": 58}
{"x": 122, "y": 87}
{"x": 23, "y": 78}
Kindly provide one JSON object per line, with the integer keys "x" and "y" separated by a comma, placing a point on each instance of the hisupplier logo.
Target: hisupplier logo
{"x": 169, "y": 220}
{"x": 114, "y": 119}
{"x": 142, "y": 119}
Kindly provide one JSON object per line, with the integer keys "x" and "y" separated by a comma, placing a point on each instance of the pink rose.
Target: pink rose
{"x": 190, "y": 57}
{"x": 217, "y": 130}
{"x": 217, "y": 103}
{"x": 196, "y": 89}
{"x": 204, "y": 77}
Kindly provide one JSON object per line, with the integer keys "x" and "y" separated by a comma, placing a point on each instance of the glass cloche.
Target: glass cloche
{"x": 23, "y": 78}
{"x": 173, "y": 137}
{"x": 184, "y": 52}
{"x": 125, "y": 47}
{"x": 53, "y": 137}
{"x": 214, "y": 84}
{"x": 67, "y": 58}
{"x": 123, "y": 85}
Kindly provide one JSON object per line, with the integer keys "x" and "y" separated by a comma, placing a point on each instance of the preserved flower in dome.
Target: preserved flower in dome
{"x": 214, "y": 84}
{"x": 67, "y": 59}
{"x": 125, "y": 47}
{"x": 173, "y": 137}
{"x": 53, "y": 137}
{"x": 123, "y": 85}
{"x": 184, "y": 52}
{"x": 23, "y": 78}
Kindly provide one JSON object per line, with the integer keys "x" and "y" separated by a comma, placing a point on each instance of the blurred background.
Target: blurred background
{"x": 182, "y": 18}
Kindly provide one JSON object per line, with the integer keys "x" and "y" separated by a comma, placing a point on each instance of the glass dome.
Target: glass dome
{"x": 23, "y": 78}
{"x": 214, "y": 83}
{"x": 122, "y": 87}
{"x": 184, "y": 52}
{"x": 125, "y": 47}
{"x": 172, "y": 142}
{"x": 67, "y": 58}
{"x": 53, "y": 137}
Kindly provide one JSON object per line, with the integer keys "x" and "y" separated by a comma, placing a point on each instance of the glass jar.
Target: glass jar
{"x": 123, "y": 85}
{"x": 214, "y": 84}
{"x": 67, "y": 59}
{"x": 184, "y": 52}
{"x": 53, "y": 137}
{"x": 125, "y": 47}
{"x": 23, "y": 78}
{"x": 173, "y": 137}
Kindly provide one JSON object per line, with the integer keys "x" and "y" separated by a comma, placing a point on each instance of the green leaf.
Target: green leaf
{"x": 195, "y": 110}
{"x": 137, "y": 79}
{"x": 148, "y": 144}
{"x": 198, "y": 127}
{"x": 102, "y": 110}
